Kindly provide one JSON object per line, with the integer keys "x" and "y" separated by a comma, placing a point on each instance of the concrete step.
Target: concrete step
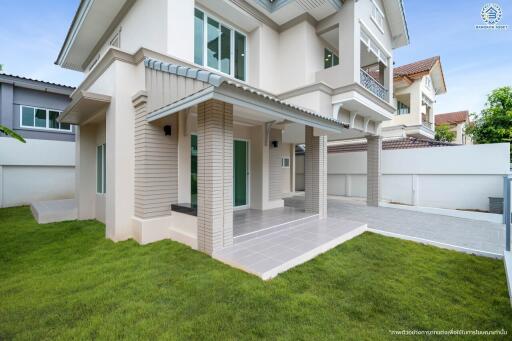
{"x": 52, "y": 211}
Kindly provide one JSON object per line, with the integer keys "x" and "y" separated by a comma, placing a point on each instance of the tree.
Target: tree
{"x": 11, "y": 133}
{"x": 444, "y": 133}
{"x": 494, "y": 124}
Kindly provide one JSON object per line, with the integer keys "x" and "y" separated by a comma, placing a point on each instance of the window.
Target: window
{"x": 38, "y": 118}
{"x": 330, "y": 59}
{"x": 402, "y": 109}
{"x": 285, "y": 162}
{"x": 377, "y": 16}
{"x": 428, "y": 82}
{"x": 101, "y": 169}
{"x": 218, "y": 46}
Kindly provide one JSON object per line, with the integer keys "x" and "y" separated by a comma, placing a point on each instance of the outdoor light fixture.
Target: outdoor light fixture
{"x": 275, "y": 144}
{"x": 167, "y": 130}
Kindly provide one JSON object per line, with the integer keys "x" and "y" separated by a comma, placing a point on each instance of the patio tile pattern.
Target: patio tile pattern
{"x": 268, "y": 255}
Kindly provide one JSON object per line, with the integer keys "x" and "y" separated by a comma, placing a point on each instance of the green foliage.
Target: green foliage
{"x": 444, "y": 133}
{"x": 494, "y": 124}
{"x": 11, "y": 133}
{"x": 64, "y": 281}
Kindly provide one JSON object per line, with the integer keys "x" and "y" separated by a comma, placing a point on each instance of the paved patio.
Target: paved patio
{"x": 483, "y": 237}
{"x": 289, "y": 245}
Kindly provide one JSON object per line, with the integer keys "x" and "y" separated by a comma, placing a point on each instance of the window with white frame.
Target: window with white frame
{"x": 377, "y": 16}
{"x": 39, "y": 118}
{"x": 285, "y": 162}
{"x": 330, "y": 58}
{"x": 218, "y": 46}
{"x": 101, "y": 169}
{"x": 402, "y": 109}
{"x": 428, "y": 82}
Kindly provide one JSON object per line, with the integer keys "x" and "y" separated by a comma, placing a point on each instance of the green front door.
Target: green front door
{"x": 240, "y": 170}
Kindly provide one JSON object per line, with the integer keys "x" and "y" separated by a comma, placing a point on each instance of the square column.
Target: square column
{"x": 373, "y": 173}
{"x": 316, "y": 173}
{"x": 214, "y": 176}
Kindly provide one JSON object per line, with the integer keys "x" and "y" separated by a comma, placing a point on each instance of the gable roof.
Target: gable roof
{"x": 389, "y": 144}
{"x": 452, "y": 117}
{"x": 420, "y": 66}
{"x": 429, "y": 66}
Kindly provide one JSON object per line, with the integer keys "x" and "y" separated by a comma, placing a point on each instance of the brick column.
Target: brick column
{"x": 373, "y": 157}
{"x": 316, "y": 173}
{"x": 214, "y": 176}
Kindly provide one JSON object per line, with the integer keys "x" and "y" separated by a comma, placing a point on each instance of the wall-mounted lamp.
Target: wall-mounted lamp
{"x": 275, "y": 144}
{"x": 167, "y": 130}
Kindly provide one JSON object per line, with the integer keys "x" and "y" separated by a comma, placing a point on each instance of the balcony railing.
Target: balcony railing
{"x": 373, "y": 86}
{"x": 425, "y": 122}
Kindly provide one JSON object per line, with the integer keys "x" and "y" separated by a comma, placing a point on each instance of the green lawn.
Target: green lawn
{"x": 65, "y": 280}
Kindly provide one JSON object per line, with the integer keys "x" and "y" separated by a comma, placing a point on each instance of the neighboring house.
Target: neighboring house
{"x": 43, "y": 168}
{"x": 416, "y": 86}
{"x": 457, "y": 121}
{"x": 192, "y": 109}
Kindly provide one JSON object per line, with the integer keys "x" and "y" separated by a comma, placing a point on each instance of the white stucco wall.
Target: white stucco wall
{"x": 461, "y": 177}
{"x": 36, "y": 170}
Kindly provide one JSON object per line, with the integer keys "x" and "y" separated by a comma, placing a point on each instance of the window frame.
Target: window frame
{"x": 329, "y": 50}
{"x": 283, "y": 163}
{"x": 232, "y": 30}
{"x": 428, "y": 83}
{"x": 47, "y": 120}
{"x": 103, "y": 186}
{"x": 401, "y": 105}
{"x": 376, "y": 9}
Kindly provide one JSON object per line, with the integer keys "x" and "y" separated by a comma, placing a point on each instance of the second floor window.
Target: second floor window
{"x": 330, "y": 59}
{"x": 38, "y": 118}
{"x": 218, "y": 46}
{"x": 428, "y": 82}
{"x": 402, "y": 109}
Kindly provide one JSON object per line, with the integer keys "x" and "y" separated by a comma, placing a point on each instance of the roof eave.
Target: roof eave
{"x": 80, "y": 14}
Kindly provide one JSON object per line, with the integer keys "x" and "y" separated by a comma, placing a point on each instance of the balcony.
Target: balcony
{"x": 425, "y": 122}
{"x": 373, "y": 86}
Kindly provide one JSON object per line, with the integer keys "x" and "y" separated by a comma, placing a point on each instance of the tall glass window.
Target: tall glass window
{"x": 330, "y": 59}
{"x": 213, "y": 43}
{"x": 198, "y": 37}
{"x": 193, "y": 170}
{"x": 218, "y": 46}
{"x": 101, "y": 168}
{"x": 240, "y": 51}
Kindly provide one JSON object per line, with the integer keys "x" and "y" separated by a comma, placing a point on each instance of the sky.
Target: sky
{"x": 474, "y": 62}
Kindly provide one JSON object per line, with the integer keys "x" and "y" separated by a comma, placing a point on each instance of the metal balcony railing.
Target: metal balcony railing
{"x": 373, "y": 86}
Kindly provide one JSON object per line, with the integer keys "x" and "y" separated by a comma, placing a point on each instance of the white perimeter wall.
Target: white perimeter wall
{"x": 36, "y": 170}
{"x": 460, "y": 177}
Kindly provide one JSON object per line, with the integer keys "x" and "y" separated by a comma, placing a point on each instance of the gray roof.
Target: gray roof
{"x": 217, "y": 80}
{"x": 6, "y": 76}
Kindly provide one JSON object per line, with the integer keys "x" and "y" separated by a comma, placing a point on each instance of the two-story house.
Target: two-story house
{"x": 190, "y": 110}
{"x": 43, "y": 168}
{"x": 416, "y": 86}
{"x": 457, "y": 121}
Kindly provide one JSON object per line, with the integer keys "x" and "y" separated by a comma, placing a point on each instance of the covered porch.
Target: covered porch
{"x": 222, "y": 153}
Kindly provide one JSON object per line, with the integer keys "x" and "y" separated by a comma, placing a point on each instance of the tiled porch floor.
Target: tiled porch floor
{"x": 251, "y": 223}
{"x": 290, "y": 245}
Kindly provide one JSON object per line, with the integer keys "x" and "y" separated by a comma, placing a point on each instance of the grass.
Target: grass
{"x": 66, "y": 281}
